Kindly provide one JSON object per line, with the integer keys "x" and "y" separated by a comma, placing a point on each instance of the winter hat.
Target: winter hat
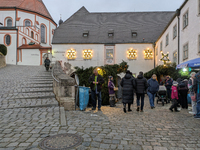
{"x": 110, "y": 77}
{"x": 175, "y": 83}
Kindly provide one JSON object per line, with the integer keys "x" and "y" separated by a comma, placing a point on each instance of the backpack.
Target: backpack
{"x": 182, "y": 84}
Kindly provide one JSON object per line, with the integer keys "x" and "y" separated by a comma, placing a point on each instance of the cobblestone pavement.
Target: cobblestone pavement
{"x": 23, "y": 128}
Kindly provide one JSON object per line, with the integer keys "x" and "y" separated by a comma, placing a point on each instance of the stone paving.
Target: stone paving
{"x": 23, "y": 127}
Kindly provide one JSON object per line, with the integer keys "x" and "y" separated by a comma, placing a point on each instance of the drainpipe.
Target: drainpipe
{"x": 178, "y": 16}
{"x": 17, "y": 32}
{"x": 154, "y": 48}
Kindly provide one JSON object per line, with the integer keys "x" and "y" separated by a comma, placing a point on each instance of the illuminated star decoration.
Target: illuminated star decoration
{"x": 71, "y": 54}
{"x": 132, "y": 54}
{"x": 165, "y": 58}
{"x": 148, "y": 54}
{"x": 87, "y": 54}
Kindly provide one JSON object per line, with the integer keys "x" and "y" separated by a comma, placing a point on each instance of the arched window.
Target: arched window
{"x": 32, "y": 34}
{"x": 27, "y": 23}
{"x": 23, "y": 41}
{"x": 9, "y": 22}
{"x": 27, "y": 31}
{"x": 43, "y": 33}
{"x": 7, "y": 40}
{"x": 36, "y": 37}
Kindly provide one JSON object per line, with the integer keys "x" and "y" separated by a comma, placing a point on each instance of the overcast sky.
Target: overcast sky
{"x": 68, "y": 7}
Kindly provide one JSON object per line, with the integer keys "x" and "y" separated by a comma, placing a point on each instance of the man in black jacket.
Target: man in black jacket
{"x": 47, "y": 61}
{"x": 141, "y": 87}
{"x": 96, "y": 82}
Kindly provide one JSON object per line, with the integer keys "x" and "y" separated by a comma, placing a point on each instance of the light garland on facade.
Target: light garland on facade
{"x": 71, "y": 54}
{"x": 148, "y": 54}
{"x": 132, "y": 54}
{"x": 87, "y": 54}
{"x": 165, "y": 58}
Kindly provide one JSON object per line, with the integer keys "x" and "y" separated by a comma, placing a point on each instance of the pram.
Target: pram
{"x": 162, "y": 94}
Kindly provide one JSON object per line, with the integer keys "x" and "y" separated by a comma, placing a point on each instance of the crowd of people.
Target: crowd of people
{"x": 177, "y": 91}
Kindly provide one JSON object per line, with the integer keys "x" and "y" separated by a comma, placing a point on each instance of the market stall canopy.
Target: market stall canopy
{"x": 194, "y": 63}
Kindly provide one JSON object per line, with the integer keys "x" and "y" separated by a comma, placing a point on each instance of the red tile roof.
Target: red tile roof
{"x": 30, "y": 5}
{"x": 35, "y": 46}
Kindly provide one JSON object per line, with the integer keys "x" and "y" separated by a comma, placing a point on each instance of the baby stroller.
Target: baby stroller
{"x": 162, "y": 94}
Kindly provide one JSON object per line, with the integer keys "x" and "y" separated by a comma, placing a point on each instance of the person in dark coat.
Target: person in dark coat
{"x": 141, "y": 87}
{"x": 111, "y": 87}
{"x": 153, "y": 88}
{"x": 183, "y": 91}
{"x": 168, "y": 85}
{"x": 128, "y": 85}
{"x": 47, "y": 62}
{"x": 96, "y": 82}
{"x": 197, "y": 91}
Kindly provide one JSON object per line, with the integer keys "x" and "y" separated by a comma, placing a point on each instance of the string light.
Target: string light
{"x": 148, "y": 54}
{"x": 165, "y": 58}
{"x": 87, "y": 54}
{"x": 71, "y": 54}
{"x": 132, "y": 54}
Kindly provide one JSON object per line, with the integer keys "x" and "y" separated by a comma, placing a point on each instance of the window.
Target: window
{"x": 167, "y": 39}
{"x": 23, "y": 41}
{"x": 27, "y": 31}
{"x": 111, "y": 33}
{"x": 7, "y": 40}
{"x": 134, "y": 34}
{"x": 156, "y": 51}
{"x": 161, "y": 46}
{"x": 199, "y": 44}
{"x": 185, "y": 20}
{"x": 175, "y": 31}
{"x": 175, "y": 57}
{"x": 185, "y": 51}
{"x": 27, "y": 23}
{"x": 36, "y": 37}
{"x": 199, "y": 7}
{"x": 9, "y": 22}
{"x": 86, "y": 33}
{"x": 32, "y": 34}
{"x": 43, "y": 33}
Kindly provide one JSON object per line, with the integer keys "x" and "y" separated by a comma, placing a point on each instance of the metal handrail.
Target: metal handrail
{"x": 53, "y": 75}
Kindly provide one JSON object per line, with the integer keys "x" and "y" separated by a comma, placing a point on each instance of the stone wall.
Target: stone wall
{"x": 2, "y": 61}
{"x": 63, "y": 87}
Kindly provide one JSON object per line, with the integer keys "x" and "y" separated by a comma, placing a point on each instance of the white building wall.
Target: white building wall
{"x": 171, "y": 47}
{"x": 140, "y": 64}
{"x": 11, "y": 49}
{"x": 5, "y": 14}
{"x": 30, "y": 57}
{"x": 59, "y": 53}
{"x": 192, "y": 31}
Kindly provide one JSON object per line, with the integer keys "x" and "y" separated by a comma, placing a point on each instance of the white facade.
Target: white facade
{"x": 188, "y": 35}
{"x": 19, "y": 52}
{"x": 99, "y": 55}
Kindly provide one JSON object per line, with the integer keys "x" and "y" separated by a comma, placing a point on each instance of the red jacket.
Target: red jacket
{"x": 174, "y": 94}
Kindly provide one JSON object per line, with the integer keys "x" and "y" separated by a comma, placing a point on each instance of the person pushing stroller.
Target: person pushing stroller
{"x": 174, "y": 96}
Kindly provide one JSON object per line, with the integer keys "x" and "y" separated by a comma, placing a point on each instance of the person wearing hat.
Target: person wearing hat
{"x": 128, "y": 85}
{"x": 174, "y": 96}
{"x": 111, "y": 87}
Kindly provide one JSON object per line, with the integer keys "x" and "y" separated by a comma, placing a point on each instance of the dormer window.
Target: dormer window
{"x": 85, "y": 33}
{"x": 134, "y": 34}
{"x": 110, "y": 33}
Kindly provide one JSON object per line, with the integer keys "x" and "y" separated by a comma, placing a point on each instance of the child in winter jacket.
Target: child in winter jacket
{"x": 174, "y": 96}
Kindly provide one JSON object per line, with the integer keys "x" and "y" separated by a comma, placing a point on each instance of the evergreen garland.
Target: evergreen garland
{"x": 105, "y": 72}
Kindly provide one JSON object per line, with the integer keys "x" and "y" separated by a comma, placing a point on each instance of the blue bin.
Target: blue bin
{"x": 189, "y": 99}
{"x": 83, "y": 97}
